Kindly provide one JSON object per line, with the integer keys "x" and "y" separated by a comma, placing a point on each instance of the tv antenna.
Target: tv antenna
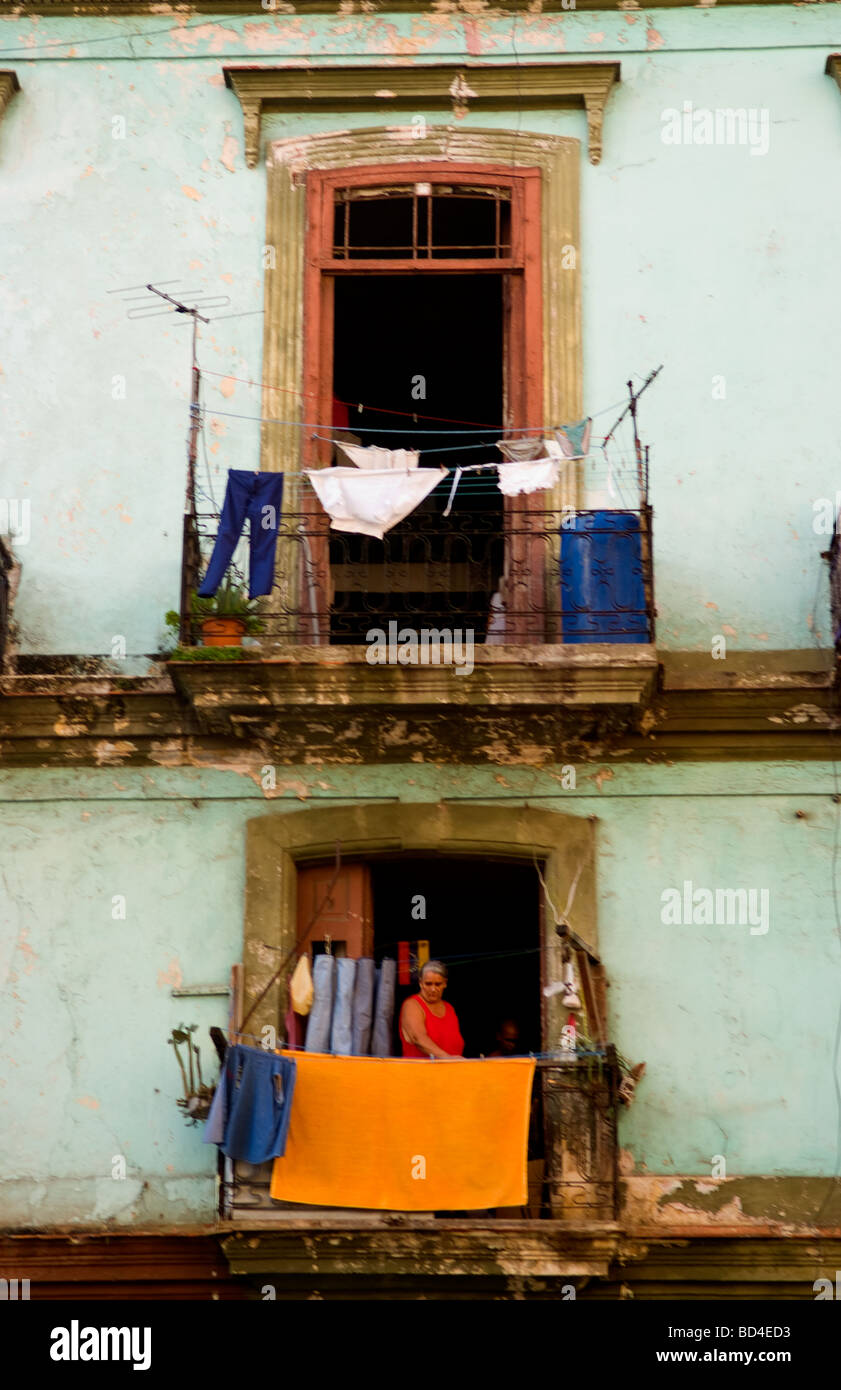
{"x": 149, "y": 306}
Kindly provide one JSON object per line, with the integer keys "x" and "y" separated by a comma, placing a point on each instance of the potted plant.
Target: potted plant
{"x": 224, "y": 617}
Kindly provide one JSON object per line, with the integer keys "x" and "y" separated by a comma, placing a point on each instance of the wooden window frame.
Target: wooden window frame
{"x": 451, "y": 147}
{"x": 522, "y": 334}
{"x": 277, "y": 844}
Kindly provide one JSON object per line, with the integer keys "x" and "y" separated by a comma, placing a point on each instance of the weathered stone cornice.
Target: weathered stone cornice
{"x": 744, "y": 1265}
{"x": 502, "y": 676}
{"x": 515, "y": 1249}
{"x": 456, "y": 87}
{"x": 362, "y": 8}
{"x": 568, "y": 704}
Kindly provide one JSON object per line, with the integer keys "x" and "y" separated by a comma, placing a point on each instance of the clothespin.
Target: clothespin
{"x": 328, "y": 944}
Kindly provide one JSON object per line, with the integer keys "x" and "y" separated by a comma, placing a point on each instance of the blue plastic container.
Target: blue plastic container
{"x": 602, "y": 586}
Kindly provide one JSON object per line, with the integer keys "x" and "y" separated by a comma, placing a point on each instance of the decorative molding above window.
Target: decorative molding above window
{"x": 833, "y": 67}
{"x": 456, "y": 87}
{"x": 9, "y": 84}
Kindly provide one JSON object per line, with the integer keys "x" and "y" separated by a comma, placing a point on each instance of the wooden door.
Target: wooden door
{"x": 344, "y": 912}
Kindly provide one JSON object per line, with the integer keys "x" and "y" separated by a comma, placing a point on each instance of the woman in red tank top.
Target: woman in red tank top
{"x": 428, "y": 1026}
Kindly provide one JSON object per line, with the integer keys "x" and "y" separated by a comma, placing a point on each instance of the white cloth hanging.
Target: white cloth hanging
{"x": 301, "y": 991}
{"x": 373, "y": 456}
{"x": 369, "y": 503}
{"x": 496, "y": 620}
{"x": 515, "y": 478}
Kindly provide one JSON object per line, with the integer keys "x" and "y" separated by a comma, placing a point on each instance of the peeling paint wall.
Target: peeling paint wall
{"x": 736, "y": 1028}
{"x": 122, "y": 162}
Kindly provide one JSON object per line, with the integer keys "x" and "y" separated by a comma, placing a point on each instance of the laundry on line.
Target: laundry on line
{"x": 372, "y": 456}
{"x": 371, "y": 501}
{"x": 535, "y": 476}
{"x": 386, "y": 484}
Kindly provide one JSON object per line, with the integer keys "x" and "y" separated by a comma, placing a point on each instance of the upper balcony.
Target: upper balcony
{"x": 545, "y": 612}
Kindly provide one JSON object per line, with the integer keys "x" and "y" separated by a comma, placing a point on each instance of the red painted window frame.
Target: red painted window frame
{"x": 522, "y": 319}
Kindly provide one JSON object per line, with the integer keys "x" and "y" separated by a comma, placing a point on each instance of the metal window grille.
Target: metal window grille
{"x": 418, "y": 222}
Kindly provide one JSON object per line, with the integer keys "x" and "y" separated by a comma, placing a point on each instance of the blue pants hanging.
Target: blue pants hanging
{"x": 249, "y": 1116}
{"x": 256, "y": 498}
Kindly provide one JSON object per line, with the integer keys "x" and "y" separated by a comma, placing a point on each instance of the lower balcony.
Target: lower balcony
{"x": 572, "y": 1160}
{"x": 567, "y": 1230}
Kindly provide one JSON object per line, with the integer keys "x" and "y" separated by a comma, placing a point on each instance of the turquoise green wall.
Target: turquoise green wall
{"x": 737, "y": 1029}
{"x": 708, "y": 259}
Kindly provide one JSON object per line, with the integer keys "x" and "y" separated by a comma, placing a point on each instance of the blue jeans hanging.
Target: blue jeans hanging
{"x": 249, "y": 1116}
{"x": 256, "y": 498}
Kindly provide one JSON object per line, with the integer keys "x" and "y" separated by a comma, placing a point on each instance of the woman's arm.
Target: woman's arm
{"x": 413, "y": 1028}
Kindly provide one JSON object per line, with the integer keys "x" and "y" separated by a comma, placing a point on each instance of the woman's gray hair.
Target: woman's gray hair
{"x": 435, "y": 965}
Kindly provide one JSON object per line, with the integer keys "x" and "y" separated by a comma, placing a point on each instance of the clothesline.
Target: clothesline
{"x": 482, "y": 444}
{"x": 535, "y": 1056}
{"x": 369, "y": 501}
{"x": 438, "y": 449}
{"x": 476, "y": 487}
{"x": 537, "y": 430}
{"x": 381, "y": 410}
{"x": 307, "y": 424}
{"x": 385, "y": 485}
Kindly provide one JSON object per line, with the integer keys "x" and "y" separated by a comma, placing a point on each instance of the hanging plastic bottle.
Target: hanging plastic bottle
{"x": 568, "y": 1040}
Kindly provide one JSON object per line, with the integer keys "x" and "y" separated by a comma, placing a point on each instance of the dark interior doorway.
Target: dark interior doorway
{"x": 407, "y": 348}
{"x": 482, "y": 919}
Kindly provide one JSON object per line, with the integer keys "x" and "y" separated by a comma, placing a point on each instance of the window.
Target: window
{"x": 423, "y": 311}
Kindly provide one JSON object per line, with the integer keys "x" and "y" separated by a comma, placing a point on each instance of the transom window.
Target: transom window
{"x": 422, "y": 221}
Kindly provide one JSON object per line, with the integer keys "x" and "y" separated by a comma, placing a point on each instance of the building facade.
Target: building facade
{"x": 424, "y": 226}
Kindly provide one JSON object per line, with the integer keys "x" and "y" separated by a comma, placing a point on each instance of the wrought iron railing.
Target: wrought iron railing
{"x": 516, "y": 574}
{"x": 580, "y": 1108}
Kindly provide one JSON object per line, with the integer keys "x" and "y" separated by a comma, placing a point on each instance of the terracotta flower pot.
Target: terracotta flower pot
{"x": 222, "y": 632}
